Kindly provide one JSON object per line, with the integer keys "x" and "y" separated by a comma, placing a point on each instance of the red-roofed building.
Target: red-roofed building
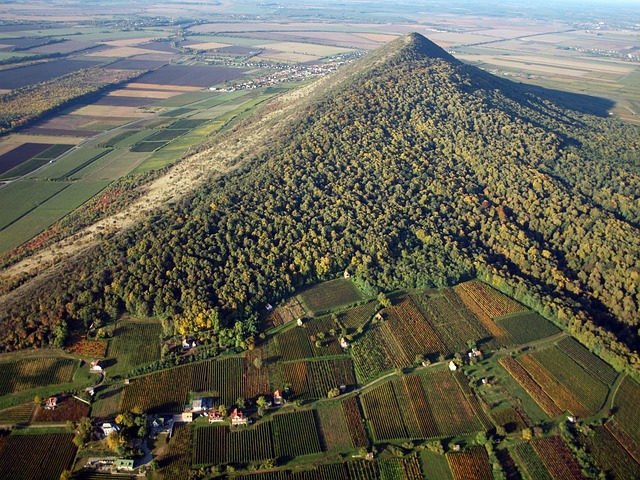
{"x": 97, "y": 366}
{"x": 277, "y": 398}
{"x": 237, "y": 418}
{"x": 215, "y": 416}
{"x": 50, "y": 403}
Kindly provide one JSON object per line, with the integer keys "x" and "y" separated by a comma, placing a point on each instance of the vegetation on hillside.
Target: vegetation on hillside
{"x": 411, "y": 170}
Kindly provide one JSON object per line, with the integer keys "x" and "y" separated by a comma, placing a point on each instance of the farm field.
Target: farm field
{"x": 472, "y": 464}
{"x": 313, "y": 379}
{"x": 610, "y": 456}
{"x": 329, "y": 295}
{"x": 17, "y": 415}
{"x": 627, "y": 405}
{"x": 134, "y": 343}
{"x": 67, "y": 409}
{"x": 333, "y": 430}
{"x": 55, "y": 453}
{"x": 19, "y": 375}
{"x": 435, "y": 466}
{"x": 527, "y": 327}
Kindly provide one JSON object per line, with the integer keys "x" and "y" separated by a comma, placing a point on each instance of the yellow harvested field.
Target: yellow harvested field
{"x": 162, "y": 88}
{"x": 140, "y": 93}
{"x": 120, "y": 52}
{"x": 19, "y": 138}
{"x": 377, "y": 37}
{"x": 128, "y": 42}
{"x": 460, "y": 38}
{"x": 588, "y": 65}
{"x": 529, "y": 66}
{"x": 305, "y": 48}
{"x": 207, "y": 46}
{"x": 110, "y": 111}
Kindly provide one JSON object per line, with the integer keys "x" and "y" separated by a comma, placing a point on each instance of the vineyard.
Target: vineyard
{"x": 295, "y": 434}
{"x": 493, "y": 303}
{"x": 450, "y": 317}
{"x": 54, "y": 452}
{"x": 354, "y": 421}
{"x": 529, "y": 461}
{"x": 106, "y": 401}
{"x": 257, "y": 378}
{"x": 19, "y": 375}
{"x": 79, "y": 345}
{"x": 67, "y": 409}
{"x": 599, "y": 369}
{"x": 435, "y": 466}
{"x": 312, "y": 380}
{"x": 479, "y": 305}
{"x": 400, "y": 469}
{"x": 225, "y": 378}
{"x": 357, "y": 317}
{"x": 557, "y": 458}
{"x": 17, "y": 415}
{"x": 290, "y": 311}
{"x": 293, "y": 344}
{"x": 627, "y": 403}
{"x": 329, "y": 295}
{"x": 412, "y": 332}
{"x": 370, "y": 360}
{"x": 531, "y": 387}
{"x": 472, "y": 464}
{"x": 610, "y": 455}
{"x": 420, "y": 406}
{"x": 134, "y": 344}
{"x": 585, "y": 389}
{"x": 509, "y": 419}
{"x": 160, "y": 392}
{"x": 527, "y": 327}
{"x": 175, "y": 460}
{"x": 218, "y": 445}
{"x": 321, "y": 329}
{"x": 333, "y": 429}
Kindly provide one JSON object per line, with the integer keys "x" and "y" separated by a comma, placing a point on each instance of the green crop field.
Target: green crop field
{"x": 592, "y": 364}
{"x": 23, "y": 196}
{"x": 18, "y": 375}
{"x": 329, "y": 295}
{"x": 333, "y": 429}
{"x": 435, "y": 466}
{"x": 50, "y": 211}
{"x": 526, "y": 327}
{"x": 133, "y": 344}
{"x": 627, "y": 403}
{"x": 295, "y": 434}
{"x": 71, "y": 163}
{"x": 17, "y": 415}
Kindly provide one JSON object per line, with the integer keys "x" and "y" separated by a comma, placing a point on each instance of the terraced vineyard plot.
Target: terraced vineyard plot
{"x": 588, "y": 361}
{"x": 479, "y": 311}
{"x": 400, "y": 469}
{"x": 412, "y": 332}
{"x": 435, "y": 466}
{"x": 625, "y": 440}
{"x": 295, "y": 434}
{"x": 363, "y": 470}
{"x": 369, "y": 358}
{"x": 492, "y": 302}
{"x": 310, "y": 380}
{"x": 382, "y": 410}
{"x": 609, "y": 455}
{"x": 106, "y": 402}
{"x": 452, "y": 413}
{"x": 293, "y": 344}
{"x": 19, "y": 375}
{"x": 248, "y": 445}
{"x": 226, "y": 378}
{"x": 135, "y": 343}
{"x": 529, "y": 461}
{"x": 527, "y": 327}
{"x": 358, "y": 316}
{"x": 290, "y": 311}
{"x": 210, "y": 446}
{"x": 472, "y": 464}
{"x": 588, "y": 391}
{"x": 54, "y": 453}
{"x": 420, "y": 407}
{"x": 67, "y": 409}
{"x": 17, "y": 415}
{"x": 355, "y": 423}
{"x": 257, "y": 378}
{"x": 328, "y": 295}
{"x": 531, "y": 387}
{"x": 453, "y": 321}
{"x": 392, "y": 347}
{"x": 320, "y": 329}
{"x": 333, "y": 430}
{"x": 557, "y": 458}
{"x": 175, "y": 460}
{"x": 161, "y": 392}
{"x": 627, "y": 403}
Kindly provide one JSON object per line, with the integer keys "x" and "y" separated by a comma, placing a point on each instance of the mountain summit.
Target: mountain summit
{"x": 409, "y": 169}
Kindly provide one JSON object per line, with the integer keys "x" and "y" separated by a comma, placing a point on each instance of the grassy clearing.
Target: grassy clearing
{"x": 329, "y": 295}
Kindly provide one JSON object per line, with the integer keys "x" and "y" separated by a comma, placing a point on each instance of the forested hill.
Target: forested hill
{"x": 411, "y": 169}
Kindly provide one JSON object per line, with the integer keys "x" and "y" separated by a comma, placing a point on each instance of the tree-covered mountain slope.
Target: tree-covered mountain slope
{"x": 410, "y": 169}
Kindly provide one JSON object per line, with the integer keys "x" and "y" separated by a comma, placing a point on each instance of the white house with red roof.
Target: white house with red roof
{"x": 237, "y": 418}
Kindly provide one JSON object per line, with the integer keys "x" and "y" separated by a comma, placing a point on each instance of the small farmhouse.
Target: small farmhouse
{"x": 277, "y": 398}
{"x": 347, "y": 275}
{"x": 237, "y": 418}
{"x": 215, "y": 416}
{"x": 201, "y": 404}
{"x": 343, "y": 343}
{"x": 452, "y": 366}
{"x": 51, "y": 403}
{"x": 108, "y": 427}
{"x": 97, "y": 366}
